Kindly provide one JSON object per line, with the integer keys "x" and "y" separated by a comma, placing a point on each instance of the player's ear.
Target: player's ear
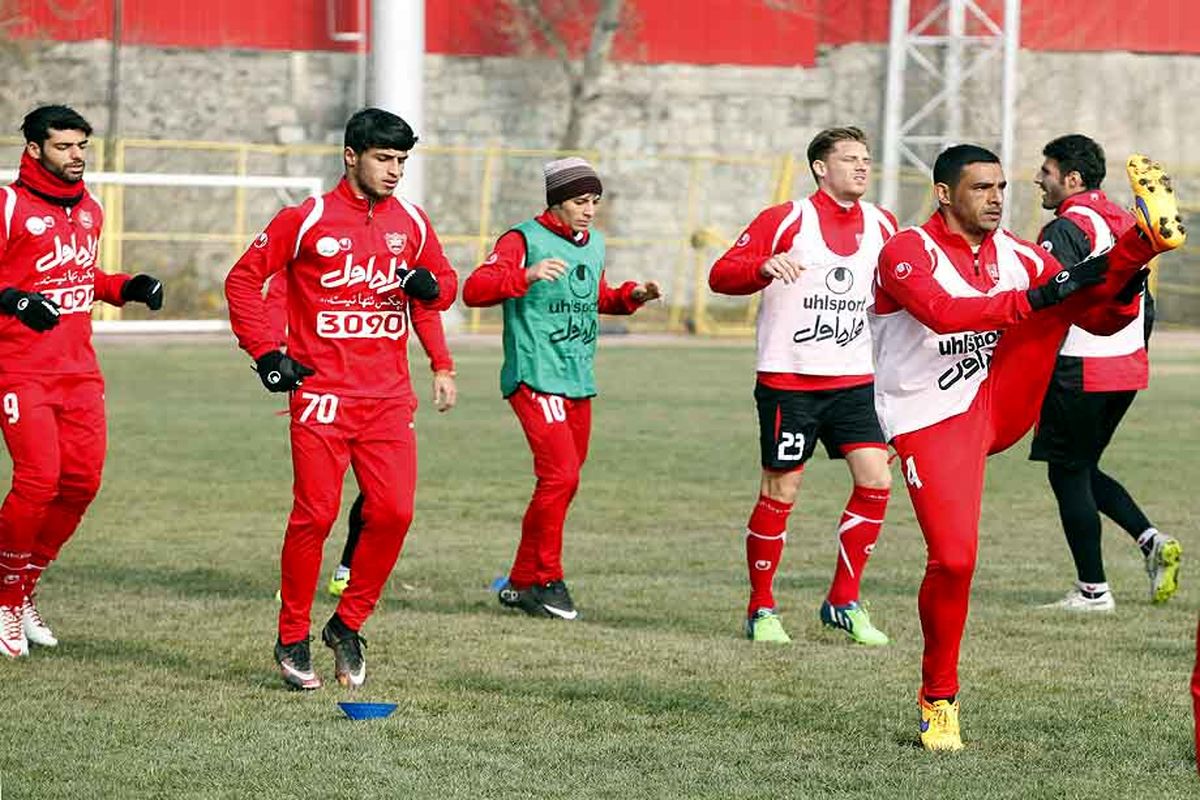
{"x": 943, "y": 192}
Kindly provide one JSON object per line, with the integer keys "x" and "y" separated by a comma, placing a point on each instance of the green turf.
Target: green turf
{"x": 164, "y": 685}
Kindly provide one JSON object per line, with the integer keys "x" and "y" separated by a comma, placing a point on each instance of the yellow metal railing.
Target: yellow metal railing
{"x": 710, "y": 197}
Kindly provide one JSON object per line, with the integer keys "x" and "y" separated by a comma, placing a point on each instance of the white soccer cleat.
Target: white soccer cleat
{"x": 36, "y": 630}
{"x": 12, "y": 633}
{"x": 1076, "y": 601}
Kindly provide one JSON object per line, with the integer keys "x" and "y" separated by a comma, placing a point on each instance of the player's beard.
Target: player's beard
{"x": 60, "y": 172}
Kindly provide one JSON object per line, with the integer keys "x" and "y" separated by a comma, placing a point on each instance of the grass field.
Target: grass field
{"x": 164, "y": 684}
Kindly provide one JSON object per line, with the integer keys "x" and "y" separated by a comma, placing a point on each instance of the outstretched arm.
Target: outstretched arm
{"x": 905, "y": 275}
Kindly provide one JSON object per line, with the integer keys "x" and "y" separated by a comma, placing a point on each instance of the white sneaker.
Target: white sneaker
{"x": 1076, "y": 601}
{"x": 1162, "y": 565}
{"x": 36, "y": 629}
{"x": 12, "y": 634}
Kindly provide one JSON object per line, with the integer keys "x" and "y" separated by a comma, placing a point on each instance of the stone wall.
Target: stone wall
{"x": 647, "y": 118}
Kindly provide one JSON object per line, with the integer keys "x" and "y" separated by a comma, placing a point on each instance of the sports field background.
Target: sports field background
{"x": 164, "y": 684}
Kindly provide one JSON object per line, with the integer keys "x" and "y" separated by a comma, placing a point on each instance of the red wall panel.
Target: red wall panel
{"x": 713, "y": 31}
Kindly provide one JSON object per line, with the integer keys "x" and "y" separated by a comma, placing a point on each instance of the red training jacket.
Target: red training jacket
{"x": 501, "y": 276}
{"x": 914, "y": 288}
{"x": 426, "y": 323}
{"x": 346, "y": 311}
{"x": 52, "y": 249}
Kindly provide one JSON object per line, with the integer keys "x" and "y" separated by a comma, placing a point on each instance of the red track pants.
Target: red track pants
{"x": 558, "y": 430}
{"x": 943, "y": 464}
{"x": 375, "y": 437}
{"x": 55, "y": 430}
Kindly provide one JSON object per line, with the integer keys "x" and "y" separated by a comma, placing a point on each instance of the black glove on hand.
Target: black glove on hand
{"x": 281, "y": 374}
{"x": 1067, "y": 282}
{"x": 1134, "y": 287}
{"x": 144, "y": 289}
{"x": 34, "y": 310}
{"x": 419, "y": 284}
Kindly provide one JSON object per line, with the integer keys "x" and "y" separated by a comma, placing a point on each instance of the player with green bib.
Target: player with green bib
{"x": 548, "y": 272}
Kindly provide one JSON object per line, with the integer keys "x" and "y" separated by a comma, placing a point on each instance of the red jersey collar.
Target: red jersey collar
{"x": 824, "y": 203}
{"x": 1089, "y": 198}
{"x": 346, "y": 194}
{"x": 941, "y": 233}
{"x": 550, "y": 222}
{"x": 45, "y": 184}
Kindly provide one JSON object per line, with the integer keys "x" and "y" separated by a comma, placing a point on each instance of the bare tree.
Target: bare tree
{"x": 550, "y": 22}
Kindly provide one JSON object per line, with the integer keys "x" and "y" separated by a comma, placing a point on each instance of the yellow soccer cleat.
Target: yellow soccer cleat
{"x": 1154, "y": 203}
{"x": 337, "y": 585}
{"x": 939, "y": 725}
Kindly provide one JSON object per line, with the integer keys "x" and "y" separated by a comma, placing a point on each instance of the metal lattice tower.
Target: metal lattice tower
{"x": 935, "y": 66}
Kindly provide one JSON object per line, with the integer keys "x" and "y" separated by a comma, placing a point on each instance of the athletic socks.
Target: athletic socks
{"x": 33, "y": 572}
{"x": 341, "y": 573}
{"x": 765, "y": 534}
{"x": 1145, "y": 540}
{"x": 856, "y": 534}
{"x": 1092, "y": 591}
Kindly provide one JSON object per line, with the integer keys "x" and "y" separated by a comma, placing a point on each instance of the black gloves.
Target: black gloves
{"x": 1133, "y": 287}
{"x": 144, "y": 289}
{"x": 36, "y": 311}
{"x": 419, "y": 284}
{"x": 1067, "y": 282}
{"x": 281, "y": 374}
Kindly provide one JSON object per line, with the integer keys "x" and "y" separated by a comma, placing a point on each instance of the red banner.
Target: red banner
{"x": 750, "y": 32}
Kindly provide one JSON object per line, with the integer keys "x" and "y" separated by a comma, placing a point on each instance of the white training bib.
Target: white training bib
{"x": 1129, "y": 339}
{"x": 818, "y": 325}
{"x": 922, "y": 377}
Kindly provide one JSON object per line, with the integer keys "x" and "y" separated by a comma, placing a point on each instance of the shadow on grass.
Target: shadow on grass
{"x": 206, "y": 582}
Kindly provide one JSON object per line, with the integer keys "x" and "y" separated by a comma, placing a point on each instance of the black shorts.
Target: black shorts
{"x": 1076, "y": 426}
{"x": 790, "y": 422}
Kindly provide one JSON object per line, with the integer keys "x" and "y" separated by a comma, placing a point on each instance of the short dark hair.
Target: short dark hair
{"x": 38, "y": 123}
{"x": 1078, "y": 153}
{"x": 824, "y": 142}
{"x": 374, "y": 127}
{"x": 950, "y": 162}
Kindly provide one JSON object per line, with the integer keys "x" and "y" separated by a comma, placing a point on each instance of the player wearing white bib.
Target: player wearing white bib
{"x": 966, "y": 323}
{"x": 1096, "y": 379}
{"x": 813, "y": 260}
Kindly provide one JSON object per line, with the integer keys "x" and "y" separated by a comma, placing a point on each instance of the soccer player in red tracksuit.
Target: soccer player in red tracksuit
{"x": 813, "y": 260}
{"x": 548, "y": 272}
{"x": 967, "y": 321}
{"x": 355, "y": 260}
{"x": 427, "y": 324}
{"x": 51, "y": 390}
{"x": 1095, "y": 381}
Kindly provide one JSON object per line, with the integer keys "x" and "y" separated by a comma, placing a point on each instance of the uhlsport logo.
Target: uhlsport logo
{"x": 762, "y": 564}
{"x": 260, "y": 241}
{"x": 902, "y": 270}
{"x": 580, "y": 282}
{"x": 839, "y": 280}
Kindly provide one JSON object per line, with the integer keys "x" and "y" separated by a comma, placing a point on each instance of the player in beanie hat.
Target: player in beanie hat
{"x": 549, "y": 274}
{"x": 570, "y": 177}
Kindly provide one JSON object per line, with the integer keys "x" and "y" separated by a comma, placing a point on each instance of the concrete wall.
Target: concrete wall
{"x": 1127, "y": 101}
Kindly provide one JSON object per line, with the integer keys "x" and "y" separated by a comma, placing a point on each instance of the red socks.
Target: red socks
{"x": 765, "y": 535}
{"x": 857, "y": 532}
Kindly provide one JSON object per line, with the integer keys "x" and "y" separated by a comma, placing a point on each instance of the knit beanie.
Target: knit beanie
{"x": 570, "y": 177}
